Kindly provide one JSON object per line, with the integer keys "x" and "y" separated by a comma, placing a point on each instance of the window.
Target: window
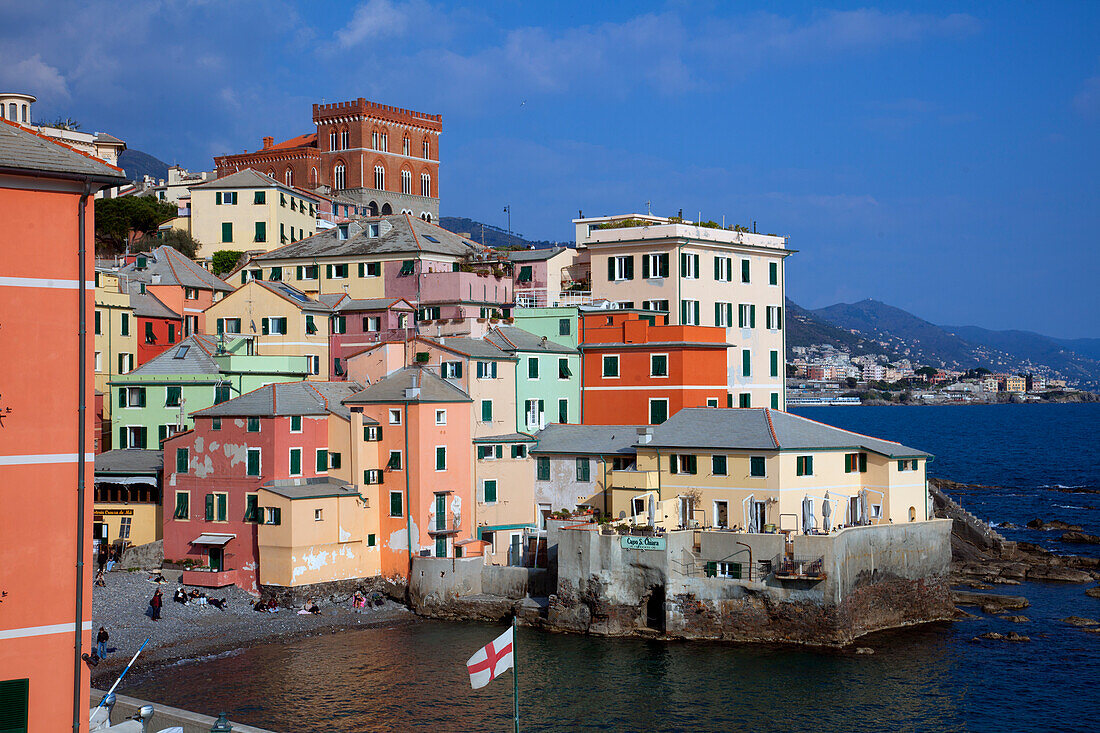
{"x": 408, "y": 267}
{"x": 372, "y": 324}
{"x": 339, "y": 177}
{"x": 406, "y": 182}
{"x": 217, "y": 507}
{"x": 723, "y": 269}
{"x": 712, "y": 402}
{"x": 374, "y": 140}
{"x": 425, "y": 150}
{"x": 519, "y": 451}
{"x": 584, "y": 470}
{"x": 295, "y": 424}
{"x": 746, "y": 363}
{"x": 253, "y": 425}
{"x": 132, "y": 436}
{"x": 275, "y": 326}
{"x": 773, "y": 317}
{"x": 744, "y": 271}
{"x": 227, "y": 231}
{"x": 658, "y": 365}
{"x": 318, "y": 515}
{"x": 425, "y": 184}
{"x": 775, "y": 400}
{"x": 756, "y": 466}
{"x": 440, "y": 417}
{"x": 689, "y": 266}
{"x": 150, "y": 337}
{"x": 773, "y": 273}
{"x": 655, "y": 305}
{"x": 379, "y": 178}
{"x": 253, "y": 468}
{"x": 371, "y": 541}
{"x": 564, "y": 326}
{"x": 125, "y": 326}
{"x": 564, "y": 372}
{"x": 251, "y": 508}
{"x": 774, "y": 365}
{"x": 181, "y": 460}
{"x": 259, "y": 197}
{"x": 125, "y": 363}
{"x": 131, "y": 397}
{"x": 98, "y": 320}
{"x": 563, "y": 410}
{"x": 723, "y": 314}
{"x": 344, "y": 143}
{"x": 314, "y": 362}
{"x": 620, "y": 268}
{"x": 372, "y": 476}
{"x": 486, "y": 370}
{"x": 295, "y": 461}
{"x": 654, "y": 265}
{"x": 373, "y": 433}
{"x": 99, "y": 361}
{"x": 394, "y": 463}
{"x": 273, "y": 515}
{"x": 215, "y": 423}
{"x": 611, "y": 366}
{"x": 689, "y": 313}
{"x": 396, "y": 504}
{"x": 532, "y": 367}
{"x": 339, "y": 323}
{"x": 683, "y": 463}
{"x": 369, "y": 269}
{"x": 907, "y": 465}
{"x": 321, "y": 460}
{"x": 428, "y": 313}
{"x": 173, "y": 396}
{"x": 183, "y": 505}
{"x": 489, "y": 452}
{"x": 486, "y": 411}
{"x": 451, "y": 370}
{"x": 718, "y": 465}
{"x": 332, "y": 142}
{"x": 744, "y": 400}
{"x": 228, "y": 325}
{"x": 489, "y": 490}
{"x": 535, "y": 412}
{"x": 746, "y": 316}
{"x": 658, "y": 411}
{"x": 804, "y": 465}
{"x": 542, "y": 468}
{"x": 221, "y": 393}
{"x": 854, "y": 462}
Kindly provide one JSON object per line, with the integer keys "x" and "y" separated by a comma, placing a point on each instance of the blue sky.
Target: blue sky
{"x": 943, "y": 158}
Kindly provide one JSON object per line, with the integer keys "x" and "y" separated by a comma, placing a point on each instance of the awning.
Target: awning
{"x": 463, "y": 543}
{"x": 212, "y": 539}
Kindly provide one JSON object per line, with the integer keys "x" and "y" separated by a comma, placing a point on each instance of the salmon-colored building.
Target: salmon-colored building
{"x": 46, "y": 426}
{"x": 178, "y": 282}
{"x": 637, "y": 371}
{"x": 158, "y": 326}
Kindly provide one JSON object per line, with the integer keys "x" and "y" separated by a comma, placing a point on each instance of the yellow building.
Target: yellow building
{"x": 127, "y": 508}
{"x": 248, "y": 211}
{"x": 505, "y": 495}
{"x": 280, "y": 319}
{"x": 1016, "y": 384}
{"x": 763, "y": 470}
{"x": 115, "y": 328}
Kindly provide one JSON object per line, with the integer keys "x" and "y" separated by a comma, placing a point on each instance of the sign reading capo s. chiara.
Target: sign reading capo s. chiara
{"x": 642, "y": 543}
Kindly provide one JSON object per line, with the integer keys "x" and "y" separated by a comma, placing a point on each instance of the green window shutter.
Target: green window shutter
{"x": 182, "y": 508}
{"x": 695, "y": 262}
{"x": 674, "y": 463}
{"x": 773, "y": 273}
{"x": 125, "y": 324}
{"x": 362, "y": 269}
{"x": 645, "y": 267}
{"x": 809, "y": 465}
{"x": 696, "y": 321}
{"x": 779, "y": 317}
{"x": 209, "y": 507}
{"x": 218, "y": 198}
{"x": 441, "y": 458}
{"x": 683, "y": 311}
{"x": 175, "y": 396}
{"x": 744, "y": 271}
{"x": 775, "y": 363}
{"x": 745, "y": 400}
{"x": 162, "y": 433}
{"x": 775, "y": 400}
{"x": 141, "y": 396}
{"x": 663, "y": 262}
{"x": 295, "y": 461}
{"x": 328, "y": 271}
{"x": 14, "y": 705}
{"x": 563, "y": 411}
{"x": 223, "y": 508}
{"x": 253, "y": 463}
{"x": 542, "y": 464}
{"x": 863, "y": 463}
{"x": 276, "y": 515}
{"x": 583, "y": 469}
{"x": 756, "y": 466}
{"x": 717, "y": 313}
{"x": 122, "y": 397}
{"x": 227, "y": 231}
{"x": 498, "y": 450}
{"x": 525, "y": 274}
{"x": 371, "y": 540}
{"x": 253, "y": 425}
{"x": 683, "y": 263}
{"x": 658, "y": 411}
{"x": 322, "y": 460}
{"x": 717, "y": 268}
{"x": 486, "y": 411}
{"x": 630, "y": 267}
{"x": 533, "y": 367}
{"x": 718, "y": 465}
{"x": 847, "y": 463}
{"x": 610, "y": 268}
{"x": 334, "y": 460}
{"x": 181, "y": 460}
{"x": 251, "y": 507}
{"x": 261, "y": 231}
{"x": 746, "y": 363}
{"x": 395, "y": 504}
{"x": 752, "y": 316}
{"x": 295, "y": 423}
{"x": 490, "y": 491}
{"x": 122, "y": 439}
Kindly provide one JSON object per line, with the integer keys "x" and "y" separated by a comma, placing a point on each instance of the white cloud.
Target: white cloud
{"x": 34, "y": 76}
{"x": 1087, "y": 101}
{"x": 377, "y": 19}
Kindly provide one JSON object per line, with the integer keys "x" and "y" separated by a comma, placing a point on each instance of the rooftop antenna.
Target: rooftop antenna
{"x": 648, "y": 208}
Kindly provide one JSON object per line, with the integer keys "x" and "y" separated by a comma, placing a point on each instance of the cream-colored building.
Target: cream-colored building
{"x": 115, "y": 328}
{"x": 700, "y": 275}
{"x": 249, "y": 212}
{"x": 1015, "y": 384}
{"x": 280, "y": 319}
{"x": 505, "y": 493}
{"x": 16, "y": 107}
{"x": 766, "y": 470}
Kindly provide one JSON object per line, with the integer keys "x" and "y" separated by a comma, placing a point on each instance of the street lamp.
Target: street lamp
{"x": 508, "y": 211}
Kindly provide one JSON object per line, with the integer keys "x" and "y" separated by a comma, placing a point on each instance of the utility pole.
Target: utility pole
{"x": 508, "y": 211}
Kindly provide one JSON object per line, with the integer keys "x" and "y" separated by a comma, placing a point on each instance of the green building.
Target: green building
{"x": 548, "y": 385}
{"x": 158, "y": 398}
{"x": 559, "y": 324}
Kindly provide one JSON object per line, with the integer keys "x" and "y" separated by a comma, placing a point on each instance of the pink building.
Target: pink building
{"x": 214, "y": 471}
{"x": 358, "y": 324}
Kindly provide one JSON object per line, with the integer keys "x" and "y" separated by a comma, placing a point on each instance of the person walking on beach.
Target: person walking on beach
{"x": 101, "y": 642}
{"x": 154, "y": 605}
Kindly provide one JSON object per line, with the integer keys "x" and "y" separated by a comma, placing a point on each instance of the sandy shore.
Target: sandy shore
{"x": 188, "y": 632}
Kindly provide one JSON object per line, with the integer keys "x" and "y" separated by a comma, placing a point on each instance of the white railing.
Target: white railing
{"x": 539, "y": 298}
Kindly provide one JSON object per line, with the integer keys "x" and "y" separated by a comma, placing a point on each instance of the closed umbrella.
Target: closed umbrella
{"x": 750, "y": 501}
{"x": 864, "y": 513}
{"x": 652, "y": 510}
{"x": 826, "y": 512}
{"x": 807, "y": 521}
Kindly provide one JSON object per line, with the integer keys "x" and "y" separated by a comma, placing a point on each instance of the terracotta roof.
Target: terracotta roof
{"x": 309, "y": 139}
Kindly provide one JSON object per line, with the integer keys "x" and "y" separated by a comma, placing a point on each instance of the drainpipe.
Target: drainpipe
{"x": 783, "y": 332}
{"x": 408, "y": 502}
{"x": 80, "y": 702}
{"x": 580, "y": 348}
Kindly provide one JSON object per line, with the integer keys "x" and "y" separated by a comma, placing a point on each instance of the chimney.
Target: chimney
{"x": 268, "y": 142}
{"x": 645, "y": 435}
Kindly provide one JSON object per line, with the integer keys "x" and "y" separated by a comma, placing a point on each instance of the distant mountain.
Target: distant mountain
{"x": 1084, "y": 347}
{"x": 1037, "y": 348}
{"x": 493, "y": 236}
{"x": 138, "y": 164}
{"x": 804, "y": 328}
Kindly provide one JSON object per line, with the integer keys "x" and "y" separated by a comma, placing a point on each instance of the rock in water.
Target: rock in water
{"x": 865, "y": 650}
{"x": 1015, "y": 619}
{"x": 1093, "y": 592}
{"x": 990, "y": 602}
{"x": 1053, "y": 524}
{"x": 1080, "y": 538}
{"x": 1058, "y": 574}
{"x": 995, "y": 636}
{"x": 1079, "y": 621}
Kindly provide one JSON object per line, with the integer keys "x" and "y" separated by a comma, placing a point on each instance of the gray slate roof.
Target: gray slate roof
{"x": 399, "y": 234}
{"x": 174, "y": 269}
{"x": 249, "y": 178}
{"x": 294, "y": 295}
{"x": 534, "y": 255}
{"x": 129, "y": 461}
{"x": 764, "y": 429}
{"x": 391, "y": 389}
{"x": 24, "y": 151}
{"x": 198, "y": 359}
{"x": 149, "y": 306}
{"x": 598, "y": 440}
{"x": 288, "y": 398}
{"x": 507, "y": 438}
{"x": 513, "y": 339}
{"x": 340, "y": 302}
{"x": 310, "y": 488}
{"x": 471, "y": 347}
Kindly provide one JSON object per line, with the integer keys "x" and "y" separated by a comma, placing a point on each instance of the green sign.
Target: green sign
{"x": 642, "y": 543}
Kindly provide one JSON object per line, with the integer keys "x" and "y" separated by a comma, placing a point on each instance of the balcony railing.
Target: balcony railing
{"x": 799, "y": 567}
{"x": 637, "y": 480}
{"x": 539, "y": 298}
{"x": 449, "y": 523}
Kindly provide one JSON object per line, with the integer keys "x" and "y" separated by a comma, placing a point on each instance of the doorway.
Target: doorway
{"x": 655, "y": 609}
{"x": 217, "y": 559}
{"x": 853, "y": 511}
{"x": 760, "y": 515}
{"x": 721, "y": 514}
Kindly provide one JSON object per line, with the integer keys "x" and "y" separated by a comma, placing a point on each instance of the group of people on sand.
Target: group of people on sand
{"x": 197, "y": 598}
{"x": 360, "y": 601}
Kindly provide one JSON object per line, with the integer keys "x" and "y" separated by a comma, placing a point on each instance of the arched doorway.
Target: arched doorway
{"x": 386, "y": 209}
{"x": 372, "y": 208}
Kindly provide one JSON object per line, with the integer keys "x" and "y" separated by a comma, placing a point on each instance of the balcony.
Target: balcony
{"x": 209, "y": 578}
{"x": 636, "y": 480}
{"x": 798, "y": 567}
{"x": 451, "y": 287}
{"x": 449, "y": 523}
{"x": 540, "y": 298}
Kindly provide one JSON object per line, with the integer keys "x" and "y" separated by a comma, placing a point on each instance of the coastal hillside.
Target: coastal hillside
{"x": 1036, "y": 348}
{"x": 492, "y": 236}
{"x": 138, "y": 164}
{"x": 805, "y": 328}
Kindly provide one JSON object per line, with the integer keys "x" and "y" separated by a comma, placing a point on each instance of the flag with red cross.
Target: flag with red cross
{"x": 491, "y": 660}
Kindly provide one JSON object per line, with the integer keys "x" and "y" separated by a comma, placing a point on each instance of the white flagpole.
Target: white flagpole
{"x": 515, "y": 674}
{"x": 131, "y": 664}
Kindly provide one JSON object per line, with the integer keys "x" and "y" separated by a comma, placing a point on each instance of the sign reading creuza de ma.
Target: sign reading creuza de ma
{"x": 642, "y": 543}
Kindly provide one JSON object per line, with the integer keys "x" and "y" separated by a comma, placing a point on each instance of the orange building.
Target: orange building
{"x": 46, "y": 432}
{"x": 637, "y": 371}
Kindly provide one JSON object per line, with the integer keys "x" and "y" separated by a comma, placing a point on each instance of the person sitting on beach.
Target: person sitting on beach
{"x": 99, "y": 579}
{"x": 180, "y": 596}
{"x": 359, "y": 600}
{"x": 310, "y": 607}
{"x": 218, "y": 603}
{"x": 259, "y": 605}
{"x": 272, "y": 606}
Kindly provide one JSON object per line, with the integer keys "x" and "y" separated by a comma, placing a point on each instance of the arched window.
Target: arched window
{"x": 13, "y": 112}
{"x": 406, "y": 211}
{"x": 372, "y": 208}
{"x": 912, "y": 514}
{"x": 339, "y": 177}
{"x": 406, "y": 182}
{"x": 313, "y": 177}
{"x": 374, "y": 140}
{"x": 427, "y": 149}
{"x": 288, "y": 177}
{"x": 405, "y": 146}
{"x": 385, "y": 143}
{"x": 344, "y": 139}
{"x": 26, "y": 112}
{"x": 380, "y": 178}
{"x": 425, "y": 184}
{"x": 332, "y": 140}
{"x": 271, "y": 172}
{"x": 2, "y": 115}
{"x": 428, "y": 218}
{"x": 386, "y": 209}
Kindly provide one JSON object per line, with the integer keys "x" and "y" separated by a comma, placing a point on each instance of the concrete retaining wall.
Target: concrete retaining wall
{"x": 164, "y": 716}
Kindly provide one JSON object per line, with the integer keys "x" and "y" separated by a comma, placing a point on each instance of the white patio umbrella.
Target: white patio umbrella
{"x": 652, "y": 510}
{"x": 826, "y": 512}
